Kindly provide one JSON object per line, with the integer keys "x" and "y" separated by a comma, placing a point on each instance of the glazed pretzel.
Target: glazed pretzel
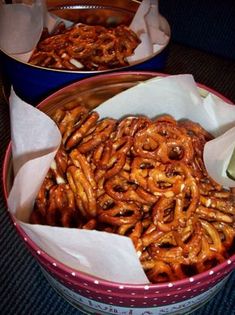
{"x": 142, "y": 178}
{"x": 84, "y": 193}
{"x": 85, "y": 47}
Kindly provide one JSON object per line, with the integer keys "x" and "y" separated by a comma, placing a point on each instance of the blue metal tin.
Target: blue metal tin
{"x": 33, "y": 83}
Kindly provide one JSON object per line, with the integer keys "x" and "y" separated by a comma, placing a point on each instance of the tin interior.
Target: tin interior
{"x": 106, "y": 13}
{"x": 93, "y": 91}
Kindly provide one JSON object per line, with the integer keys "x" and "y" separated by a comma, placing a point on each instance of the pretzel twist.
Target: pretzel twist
{"x": 82, "y": 188}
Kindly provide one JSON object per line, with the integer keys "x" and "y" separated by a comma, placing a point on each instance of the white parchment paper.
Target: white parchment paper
{"x": 151, "y": 28}
{"x": 21, "y": 25}
{"x": 102, "y": 254}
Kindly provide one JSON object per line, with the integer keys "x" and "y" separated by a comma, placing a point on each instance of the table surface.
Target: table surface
{"x": 24, "y": 290}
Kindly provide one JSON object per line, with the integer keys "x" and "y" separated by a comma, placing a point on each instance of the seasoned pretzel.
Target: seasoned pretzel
{"x": 101, "y": 132}
{"x": 66, "y": 120}
{"x": 61, "y": 209}
{"x": 80, "y": 161}
{"x": 195, "y": 131}
{"x": 41, "y": 201}
{"x": 82, "y": 188}
{"x": 121, "y": 189}
{"x": 120, "y": 213}
{"x": 158, "y": 271}
{"x": 207, "y": 257}
{"x": 111, "y": 156}
{"x": 213, "y": 215}
{"x": 81, "y": 131}
{"x": 226, "y": 233}
{"x": 213, "y": 236}
{"x": 147, "y": 142}
{"x": 130, "y": 125}
{"x": 144, "y": 179}
{"x": 167, "y": 213}
{"x": 140, "y": 169}
{"x": 176, "y": 150}
{"x": 61, "y": 200}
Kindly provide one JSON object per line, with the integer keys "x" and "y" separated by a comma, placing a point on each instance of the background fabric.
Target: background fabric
{"x": 205, "y": 25}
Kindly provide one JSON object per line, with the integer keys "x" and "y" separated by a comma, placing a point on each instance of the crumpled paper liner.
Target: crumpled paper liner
{"x": 35, "y": 140}
{"x": 21, "y": 25}
{"x": 25, "y": 22}
{"x": 151, "y": 29}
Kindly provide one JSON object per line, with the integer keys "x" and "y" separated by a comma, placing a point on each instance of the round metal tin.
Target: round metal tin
{"x": 97, "y": 296}
{"x": 33, "y": 83}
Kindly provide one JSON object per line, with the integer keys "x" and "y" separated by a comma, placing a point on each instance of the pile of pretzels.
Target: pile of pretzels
{"x": 85, "y": 47}
{"x": 142, "y": 178}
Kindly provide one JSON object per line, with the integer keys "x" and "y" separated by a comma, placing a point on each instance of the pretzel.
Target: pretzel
{"x": 140, "y": 169}
{"x": 130, "y": 125}
{"x": 213, "y": 215}
{"x": 67, "y": 120}
{"x": 226, "y": 233}
{"x": 147, "y": 142}
{"x": 158, "y": 271}
{"x": 121, "y": 213}
{"x": 81, "y": 130}
{"x": 60, "y": 208}
{"x": 141, "y": 178}
{"x": 101, "y": 132}
{"x": 84, "y": 193}
{"x": 176, "y": 149}
{"x": 207, "y": 257}
{"x": 223, "y": 204}
{"x": 80, "y": 161}
{"x": 41, "y": 199}
{"x": 167, "y": 213}
{"x": 85, "y": 47}
{"x": 121, "y": 189}
{"x": 111, "y": 156}
{"x": 213, "y": 236}
{"x": 195, "y": 131}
